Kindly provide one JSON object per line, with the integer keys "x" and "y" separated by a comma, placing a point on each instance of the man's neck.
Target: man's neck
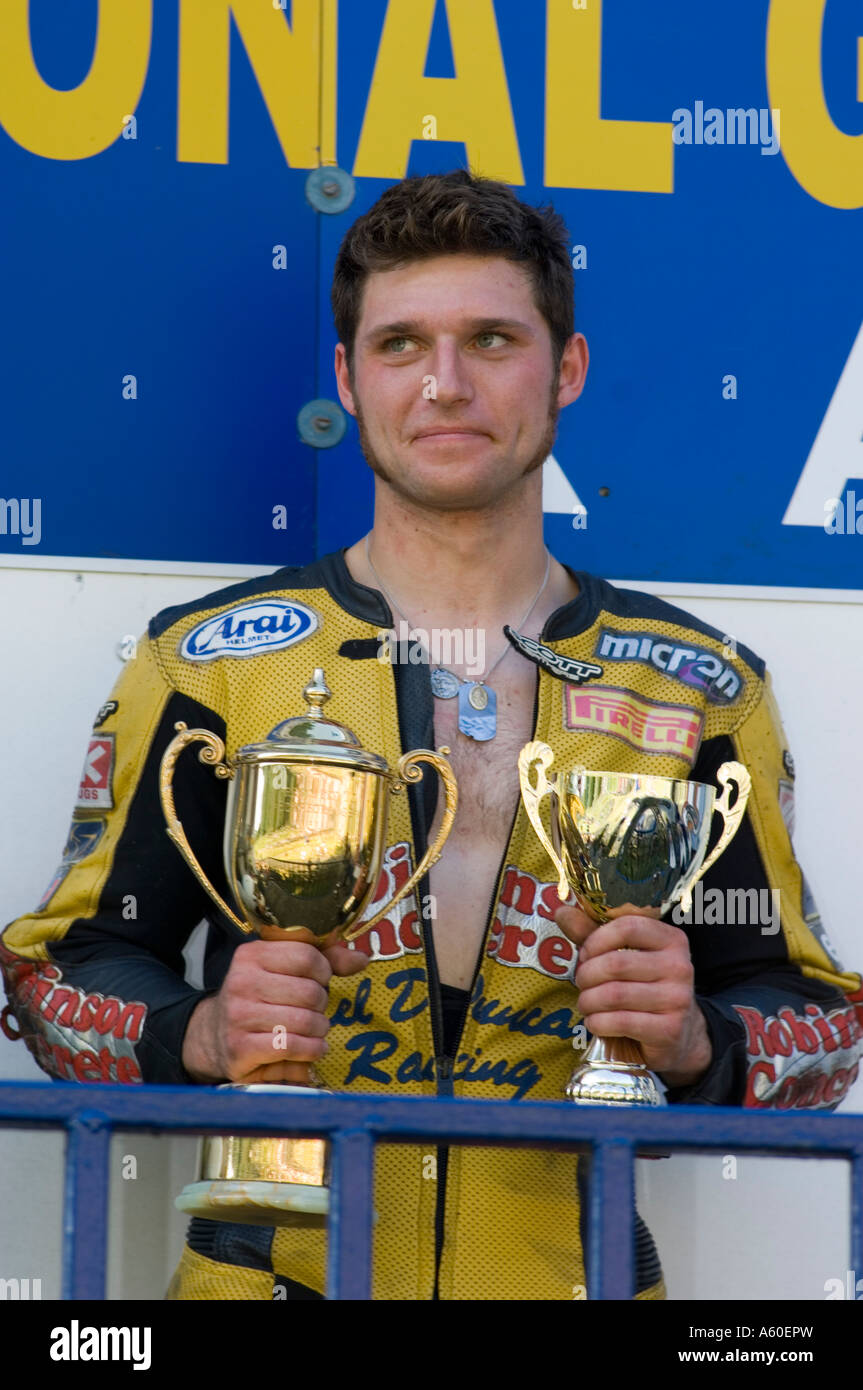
{"x": 460, "y": 568}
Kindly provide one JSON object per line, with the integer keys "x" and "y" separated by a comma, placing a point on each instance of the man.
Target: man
{"x": 454, "y": 308}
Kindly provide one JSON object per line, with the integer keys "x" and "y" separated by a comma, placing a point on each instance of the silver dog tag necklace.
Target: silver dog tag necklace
{"x": 477, "y": 702}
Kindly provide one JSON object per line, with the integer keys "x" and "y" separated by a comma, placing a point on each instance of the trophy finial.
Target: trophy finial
{"x": 317, "y": 692}
{"x": 312, "y": 730}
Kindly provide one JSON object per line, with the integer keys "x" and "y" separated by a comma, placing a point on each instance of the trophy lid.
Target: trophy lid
{"x": 309, "y": 737}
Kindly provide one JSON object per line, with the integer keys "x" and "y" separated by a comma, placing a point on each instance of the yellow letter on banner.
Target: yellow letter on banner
{"x": 581, "y": 149}
{"x": 84, "y": 121}
{"x": 823, "y": 158}
{"x": 285, "y": 61}
{"x": 474, "y": 106}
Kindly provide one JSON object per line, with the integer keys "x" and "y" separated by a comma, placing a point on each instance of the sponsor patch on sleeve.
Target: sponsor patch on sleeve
{"x": 649, "y": 726}
{"x": 786, "y": 805}
{"x": 110, "y": 707}
{"x": 249, "y": 629}
{"x": 74, "y": 1035}
{"x": 84, "y": 836}
{"x": 95, "y": 790}
{"x": 812, "y": 918}
{"x": 804, "y": 1060}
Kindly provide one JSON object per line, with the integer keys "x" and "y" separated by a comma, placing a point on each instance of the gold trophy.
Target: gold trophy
{"x": 626, "y": 843}
{"x": 305, "y": 830}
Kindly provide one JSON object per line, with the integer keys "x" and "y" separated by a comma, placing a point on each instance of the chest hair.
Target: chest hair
{"x": 487, "y": 772}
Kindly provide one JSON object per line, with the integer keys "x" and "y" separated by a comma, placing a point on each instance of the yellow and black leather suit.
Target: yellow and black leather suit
{"x": 95, "y": 977}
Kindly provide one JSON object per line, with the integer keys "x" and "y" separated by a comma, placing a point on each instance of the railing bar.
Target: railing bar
{"x": 356, "y": 1123}
{"x": 85, "y": 1207}
{"x": 351, "y": 1216}
{"x": 611, "y": 1239}
{"x": 857, "y": 1214}
{"x": 414, "y": 1119}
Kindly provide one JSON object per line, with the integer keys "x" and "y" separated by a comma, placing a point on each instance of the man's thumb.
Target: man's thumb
{"x": 345, "y": 961}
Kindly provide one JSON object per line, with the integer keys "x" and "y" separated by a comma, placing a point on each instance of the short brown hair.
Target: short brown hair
{"x": 448, "y": 214}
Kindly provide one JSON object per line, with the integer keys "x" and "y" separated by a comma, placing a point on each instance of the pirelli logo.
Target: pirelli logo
{"x": 646, "y": 725}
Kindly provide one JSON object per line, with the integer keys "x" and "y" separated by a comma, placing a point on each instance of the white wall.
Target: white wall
{"x": 777, "y": 1230}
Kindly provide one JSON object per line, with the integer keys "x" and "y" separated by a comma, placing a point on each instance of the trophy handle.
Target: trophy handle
{"x": 728, "y": 772}
{"x": 213, "y": 752}
{"x": 541, "y": 755}
{"x": 408, "y": 771}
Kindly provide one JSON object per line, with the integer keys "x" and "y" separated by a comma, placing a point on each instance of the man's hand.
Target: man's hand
{"x": 636, "y": 979}
{"x": 270, "y": 986}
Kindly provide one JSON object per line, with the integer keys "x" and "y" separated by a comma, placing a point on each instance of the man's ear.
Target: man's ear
{"x": 573, "y": 370}
{"x": 344, "y": 385}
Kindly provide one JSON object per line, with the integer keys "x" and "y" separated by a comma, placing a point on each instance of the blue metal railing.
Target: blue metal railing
{"x": 611, "y": 1135}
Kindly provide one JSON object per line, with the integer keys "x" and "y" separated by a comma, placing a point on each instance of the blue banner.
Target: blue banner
{"x": 168, "y": 344}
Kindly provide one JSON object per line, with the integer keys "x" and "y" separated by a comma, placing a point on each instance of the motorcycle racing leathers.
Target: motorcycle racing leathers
{"x": 625, "y": 682}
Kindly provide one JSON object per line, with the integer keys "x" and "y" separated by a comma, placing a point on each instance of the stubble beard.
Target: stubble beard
{"x": 537, "y": 459}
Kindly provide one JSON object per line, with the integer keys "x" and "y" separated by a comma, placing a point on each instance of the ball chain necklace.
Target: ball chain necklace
{"x": 477, "y": 702}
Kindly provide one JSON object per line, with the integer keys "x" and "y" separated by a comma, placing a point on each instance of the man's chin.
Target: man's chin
{"x": 447, "y": 496}
{"x": 451, "y": 486}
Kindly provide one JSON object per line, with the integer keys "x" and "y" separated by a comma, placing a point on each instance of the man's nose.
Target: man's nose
{"x": 451, "y": 378}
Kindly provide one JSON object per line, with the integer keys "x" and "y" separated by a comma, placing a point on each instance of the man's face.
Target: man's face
{"x": 456, "y": 344}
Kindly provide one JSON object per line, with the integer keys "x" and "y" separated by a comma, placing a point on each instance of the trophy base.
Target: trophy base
{"x": 614, "y": 1073}
{"x": 258, "y": 1180}
{"x": 256, "y": 1203}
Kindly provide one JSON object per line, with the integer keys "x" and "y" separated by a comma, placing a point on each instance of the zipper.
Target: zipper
{"x": 449, "y": 1062}
{"x": 443, "y": 1082}
{"x": 419, "y": 827}
{"x": 443, "y": 1065}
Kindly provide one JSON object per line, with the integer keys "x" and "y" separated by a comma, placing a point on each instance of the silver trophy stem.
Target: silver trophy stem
{"x": 614, "y": 1072}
